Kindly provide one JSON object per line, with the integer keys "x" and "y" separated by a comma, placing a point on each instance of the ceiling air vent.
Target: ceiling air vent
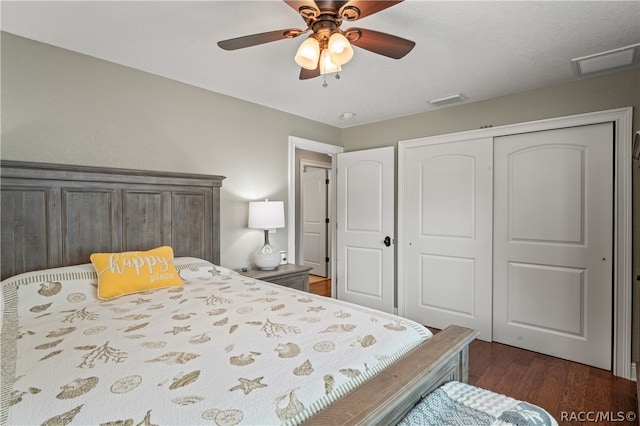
{"x": 449, "y": 99}
{"x": 607, "y": 61}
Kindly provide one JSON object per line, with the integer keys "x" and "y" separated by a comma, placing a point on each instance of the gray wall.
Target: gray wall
{"x": 610, "y": 91}
{"x": 63, "y": 107}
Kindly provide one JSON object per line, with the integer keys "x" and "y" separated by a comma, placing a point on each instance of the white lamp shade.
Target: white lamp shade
{"x": 326, "y": 66}
{"x": 266, "y": 214}
{"x": 308, "y": 54}
{"x": 340, "y": 49}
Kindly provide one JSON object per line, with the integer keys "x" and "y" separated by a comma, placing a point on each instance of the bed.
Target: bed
{"x": 189, "y": 352}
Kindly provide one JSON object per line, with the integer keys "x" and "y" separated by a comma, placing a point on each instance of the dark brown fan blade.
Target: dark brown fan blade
{"x": 349, "y": 10}
{"x": 297, "y": 4}
{"x": 306, "y": 74}
{"x": 255, "y": 39}
{"x": 366, "y": 8}
{"x": 381, "y": 43}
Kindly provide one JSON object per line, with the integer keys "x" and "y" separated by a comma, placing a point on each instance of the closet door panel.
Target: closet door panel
{"x": 447, "y": 180}
{"x": 546, "y": 194}
{"x": 553, "y": 242}
{"x": 449, "y": 227}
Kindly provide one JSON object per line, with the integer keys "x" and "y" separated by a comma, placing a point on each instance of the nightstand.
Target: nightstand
{"x": 293, "y": 276}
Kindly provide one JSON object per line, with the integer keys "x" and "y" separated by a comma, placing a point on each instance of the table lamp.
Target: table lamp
{"x": 266, "y": 215}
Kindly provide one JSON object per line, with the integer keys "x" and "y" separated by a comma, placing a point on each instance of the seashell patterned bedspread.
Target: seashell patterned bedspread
{"x": 224, "y": 349}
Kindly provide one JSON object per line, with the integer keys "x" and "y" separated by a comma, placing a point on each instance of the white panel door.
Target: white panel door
{"x": 365, "y": 220}
{"x": 448, "y": 224}
{"x": 314, "y": 219}
{"x": 553, "y": 242}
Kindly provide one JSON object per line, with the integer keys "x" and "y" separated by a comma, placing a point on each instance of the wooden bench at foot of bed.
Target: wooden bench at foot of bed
{"x": 392, "y": 393}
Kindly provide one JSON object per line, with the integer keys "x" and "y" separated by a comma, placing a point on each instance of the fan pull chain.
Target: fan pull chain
{"x": 324, "y": 76}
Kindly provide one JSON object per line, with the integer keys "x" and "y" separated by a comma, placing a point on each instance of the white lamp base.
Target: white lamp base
{"x": 267, "y": 258}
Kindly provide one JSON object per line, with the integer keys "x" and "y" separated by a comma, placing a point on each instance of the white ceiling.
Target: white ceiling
{"x": 481, "y": 49}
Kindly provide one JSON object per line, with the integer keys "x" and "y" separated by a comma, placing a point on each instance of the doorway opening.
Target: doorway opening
{"x": 316, "y": 157}
{"x": 315, "y": 215}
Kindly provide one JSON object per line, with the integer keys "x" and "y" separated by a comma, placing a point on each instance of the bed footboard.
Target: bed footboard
{"x": 391, "y": 394}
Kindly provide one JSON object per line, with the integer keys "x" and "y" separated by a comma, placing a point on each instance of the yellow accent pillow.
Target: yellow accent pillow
{"x": 135, "y": 271}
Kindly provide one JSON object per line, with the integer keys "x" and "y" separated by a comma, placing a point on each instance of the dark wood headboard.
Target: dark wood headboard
{"x": 57, "y": 215}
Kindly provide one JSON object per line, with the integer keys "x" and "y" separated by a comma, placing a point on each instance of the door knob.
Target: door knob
{"x": 387, "y": 241}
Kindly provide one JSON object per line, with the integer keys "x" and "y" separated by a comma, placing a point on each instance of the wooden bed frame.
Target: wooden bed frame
{"x": 57, "y": 215}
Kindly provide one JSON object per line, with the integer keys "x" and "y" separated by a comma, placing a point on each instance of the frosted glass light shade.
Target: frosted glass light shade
{"x": 326, "y": 66}
{"x": 308, "y": 54}
{"x": 340, "y": 49}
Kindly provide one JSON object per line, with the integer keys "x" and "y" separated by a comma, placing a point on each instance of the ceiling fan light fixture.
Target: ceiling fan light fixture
{"x": 328, "y": 47}
{"x": 308, "y": 53}
{"x": 340, "y": 49}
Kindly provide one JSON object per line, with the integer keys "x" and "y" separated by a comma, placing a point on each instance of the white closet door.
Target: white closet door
{"x": 448, "y": 223}
{"x": 553, "y": 242}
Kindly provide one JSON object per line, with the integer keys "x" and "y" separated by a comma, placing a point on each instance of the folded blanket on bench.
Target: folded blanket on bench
{"x": 456, "y": 403}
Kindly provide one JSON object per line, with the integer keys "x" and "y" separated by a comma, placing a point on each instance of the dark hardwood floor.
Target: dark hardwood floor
{"x": 569, "y": 391}
{"x": 572, "y": 393}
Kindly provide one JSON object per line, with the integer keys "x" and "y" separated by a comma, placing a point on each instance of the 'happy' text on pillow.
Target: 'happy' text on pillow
{"x": 137, "y": 263}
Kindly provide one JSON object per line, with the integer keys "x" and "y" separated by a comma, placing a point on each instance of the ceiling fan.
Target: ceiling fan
{"x": 328, "y": 47}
